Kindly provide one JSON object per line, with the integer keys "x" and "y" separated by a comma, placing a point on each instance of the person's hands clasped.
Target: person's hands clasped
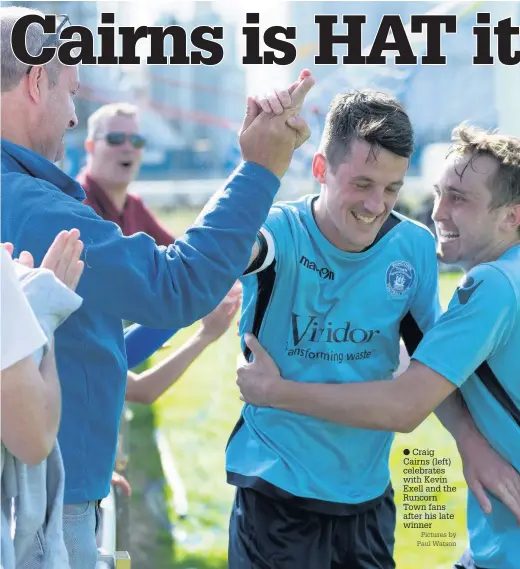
{"x": 288, "y": 102}
{"x": 270, "y": 139}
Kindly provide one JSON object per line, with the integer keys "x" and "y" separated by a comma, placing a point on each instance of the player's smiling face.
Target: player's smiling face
{"x": 357, "y": 197}
{"x": 469, "y": 231}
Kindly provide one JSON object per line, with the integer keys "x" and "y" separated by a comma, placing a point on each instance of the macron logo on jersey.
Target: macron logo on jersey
{"x": 324, "y": 272}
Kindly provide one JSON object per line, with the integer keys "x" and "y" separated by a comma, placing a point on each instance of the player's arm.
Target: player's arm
{"x": 425, "y": 310}
{"x": 456, "y": 418}
{"x": 385, "y": 405}
{"x": 449, "y": 353}
{"x": 394, "y": 405}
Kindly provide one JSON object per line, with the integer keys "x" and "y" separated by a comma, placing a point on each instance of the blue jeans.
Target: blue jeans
{"x": 80, "y": 523}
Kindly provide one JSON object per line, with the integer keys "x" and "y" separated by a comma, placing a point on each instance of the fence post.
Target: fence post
{"x": 123, "y": 560}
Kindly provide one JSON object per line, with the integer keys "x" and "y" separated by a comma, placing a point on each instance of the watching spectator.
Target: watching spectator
{"x": 114, "y": 147}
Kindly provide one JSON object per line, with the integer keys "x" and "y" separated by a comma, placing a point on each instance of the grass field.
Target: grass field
{"x": 197, "y": 416}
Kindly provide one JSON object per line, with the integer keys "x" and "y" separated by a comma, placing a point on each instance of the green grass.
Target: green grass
{"x": 198, "y": 415}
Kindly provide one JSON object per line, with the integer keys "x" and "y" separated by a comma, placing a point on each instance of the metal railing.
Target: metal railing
{"x": 119, "y": 560}
{"x": 109, "y": 557}
{"x": 113, "y": 531}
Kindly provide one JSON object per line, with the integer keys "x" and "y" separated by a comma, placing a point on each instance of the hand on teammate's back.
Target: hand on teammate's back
{"x": 270, "y": 139}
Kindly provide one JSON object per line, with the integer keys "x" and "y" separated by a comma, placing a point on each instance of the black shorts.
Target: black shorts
{"x": 271, "y": 534}
{"x": 466, "y": 562}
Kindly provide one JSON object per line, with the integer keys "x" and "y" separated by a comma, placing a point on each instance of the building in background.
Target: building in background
{"x": 189, "y": 114}
{"x": 437, "y": 97}
{"x": 204, "y": 103}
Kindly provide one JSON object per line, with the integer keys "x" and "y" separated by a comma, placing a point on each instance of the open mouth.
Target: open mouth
{"x": 126, "y": 164}
{"x": 366, "y": 219}
{"x": 446, "y": 236}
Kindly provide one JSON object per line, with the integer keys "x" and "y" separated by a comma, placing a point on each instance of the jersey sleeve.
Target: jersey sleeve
{"x": 271, "y": 242}
{"x": 480, "y": 319}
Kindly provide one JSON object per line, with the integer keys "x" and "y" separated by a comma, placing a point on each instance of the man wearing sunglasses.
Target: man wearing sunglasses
{"x": 114, "y": 150}
{"x": 125, "y": 277}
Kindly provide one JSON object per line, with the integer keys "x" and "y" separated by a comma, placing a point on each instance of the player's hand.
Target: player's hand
{"x": 258, "y": 379}
{"x": 218, "y": 321}
{"x": 485, "y": 469}
{"x": 270, "y": 140}
{"x": 281, "y": 100}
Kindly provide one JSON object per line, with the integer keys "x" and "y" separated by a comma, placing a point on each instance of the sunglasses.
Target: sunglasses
{"x": 119, "y": 138}
{"x": 53, "y": 39}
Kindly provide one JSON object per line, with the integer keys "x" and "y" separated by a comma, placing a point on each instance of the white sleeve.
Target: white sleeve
{"x": 266, "y": 249}
{"x": 21, "y": 335}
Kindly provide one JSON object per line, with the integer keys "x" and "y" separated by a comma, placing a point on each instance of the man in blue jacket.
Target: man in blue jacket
{"x": 125, "y": 277}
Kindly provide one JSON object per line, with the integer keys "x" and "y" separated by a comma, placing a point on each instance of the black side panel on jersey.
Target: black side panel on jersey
{"x": 490, "y": 380}
{"x": 265, "y": 280}
{"x": 410, "y": 333}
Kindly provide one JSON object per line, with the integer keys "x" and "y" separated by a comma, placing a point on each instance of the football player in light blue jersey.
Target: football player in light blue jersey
{"x": 336, "y": 279}
{"x": 474, "y": 346}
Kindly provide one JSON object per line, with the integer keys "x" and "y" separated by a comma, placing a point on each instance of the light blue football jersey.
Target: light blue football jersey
{"x": 481, "y": 324}
{"x": 329, "y": 316}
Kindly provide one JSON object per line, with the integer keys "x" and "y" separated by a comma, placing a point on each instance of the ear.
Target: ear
{"x": 36, "y": 83}
{"x": 512, "y": 218}
{"x": 319, "y": 167}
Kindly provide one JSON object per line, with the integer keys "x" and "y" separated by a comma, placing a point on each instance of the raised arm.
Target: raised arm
{"x": 174, "y": 287}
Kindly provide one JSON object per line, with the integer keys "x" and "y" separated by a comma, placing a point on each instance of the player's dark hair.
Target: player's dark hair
{"x": 366, "y": 115}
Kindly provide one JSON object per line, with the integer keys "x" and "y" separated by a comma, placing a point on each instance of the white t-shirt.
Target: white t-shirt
{"x": 21, "y": 334}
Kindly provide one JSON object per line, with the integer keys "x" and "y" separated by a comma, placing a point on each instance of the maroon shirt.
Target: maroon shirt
{"x": 135, "y": 216}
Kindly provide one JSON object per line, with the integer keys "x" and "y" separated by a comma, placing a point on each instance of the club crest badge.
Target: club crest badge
{"x": 400, "y": 277}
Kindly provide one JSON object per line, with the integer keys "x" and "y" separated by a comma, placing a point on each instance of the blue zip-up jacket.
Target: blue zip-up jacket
{"x": 124, "y": 278}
